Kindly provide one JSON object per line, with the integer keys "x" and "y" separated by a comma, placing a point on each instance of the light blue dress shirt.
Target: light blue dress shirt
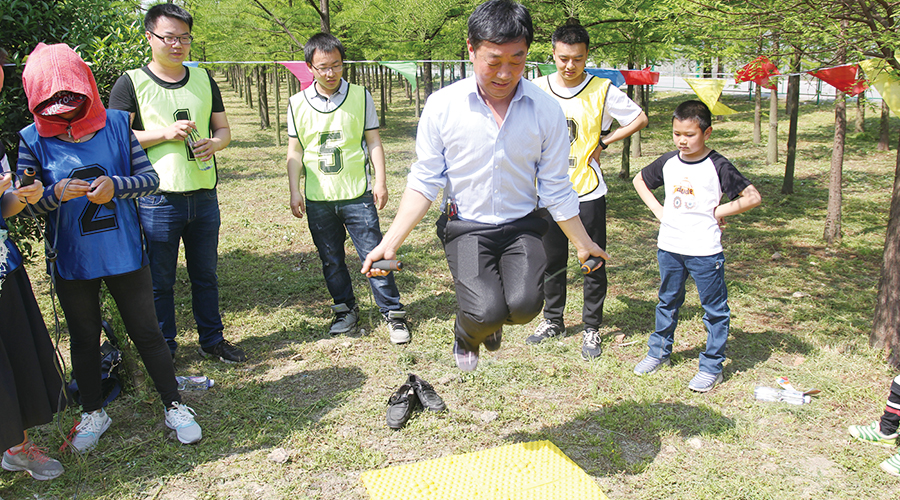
{"x": 495, "y": 174}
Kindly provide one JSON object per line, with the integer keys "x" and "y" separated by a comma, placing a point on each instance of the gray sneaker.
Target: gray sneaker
{"x": 590, "y": 344}
{"x": 704, "y": 381}
{"x": 547, "y": 329}
{"x": 89, "y": 430}
{"x": 650, "y": 365}
{"x": 396, "y": 321}
{"x": 33, "y": 460}
{"x": 345, "y": 320}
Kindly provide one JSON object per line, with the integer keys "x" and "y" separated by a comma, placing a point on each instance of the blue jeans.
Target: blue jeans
{"x": 329, "y": 223}
{"x": 709, "y": 276}
{"x": 193, "y": 218}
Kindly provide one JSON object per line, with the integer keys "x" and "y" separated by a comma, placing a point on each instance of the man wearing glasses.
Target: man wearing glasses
{"x": 178, "y": 116}
{"x": 332, "y": 136}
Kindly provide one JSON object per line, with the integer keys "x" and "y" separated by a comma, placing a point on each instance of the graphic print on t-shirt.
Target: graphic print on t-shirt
{"x": 683, "y": 195}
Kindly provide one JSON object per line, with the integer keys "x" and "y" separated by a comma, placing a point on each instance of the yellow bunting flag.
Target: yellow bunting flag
{"x": 709, "y": 90}
{"x": 884, "y": 82}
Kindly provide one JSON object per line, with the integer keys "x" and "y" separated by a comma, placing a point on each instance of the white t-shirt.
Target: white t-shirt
{"x": 693, "y": 191}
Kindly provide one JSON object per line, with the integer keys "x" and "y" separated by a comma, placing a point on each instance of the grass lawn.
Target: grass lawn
{"x": 799, "y": 310}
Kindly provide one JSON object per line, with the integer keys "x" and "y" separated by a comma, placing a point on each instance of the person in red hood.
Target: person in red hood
{"x": 30, "y": 387}
{"x": 94, "y": 169}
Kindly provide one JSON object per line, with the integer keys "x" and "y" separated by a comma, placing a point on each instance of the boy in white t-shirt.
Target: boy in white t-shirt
{"x": 694, "y": 177}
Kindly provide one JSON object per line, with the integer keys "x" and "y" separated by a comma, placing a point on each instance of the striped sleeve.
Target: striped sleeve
{"x": 143, "y": 182}
{"x": 48, "y": 202}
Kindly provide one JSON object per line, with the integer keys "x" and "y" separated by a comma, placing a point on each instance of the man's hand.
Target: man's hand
{"x": 5, "y": 181}
{"x": 593, "y": 250}
{"x": 298, "y": 205}
{"x": 380, "y": 252}
{"x": 179, "y": 130}
{"x": 204, "y": 149}
{"x": 69, "y": 189}
{"x": 380, "y": 193}
{"x": 102, "y": 190}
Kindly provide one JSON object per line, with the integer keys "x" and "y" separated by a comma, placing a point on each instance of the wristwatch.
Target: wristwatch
{"x": 602, "y": 144}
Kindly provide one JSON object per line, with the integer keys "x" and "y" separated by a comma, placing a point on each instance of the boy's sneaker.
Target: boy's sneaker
{"x": 33, "y": 460}
{"x": 396, "y": 321}
{"x": 180, "y": 418}
{"x": 650, "y": 365}
{"x": 590, "y": 344}
{"x": 88, "y": 432}
{"x": 345, "y": 320}
{"x": 493, "y": 341}
{"x": 892, "y": 465}
{"x": 224, "y": 351}
{"x": 545, "y": 330}
{"x": 705, "y": 381}
{"x": 872, "y": 434}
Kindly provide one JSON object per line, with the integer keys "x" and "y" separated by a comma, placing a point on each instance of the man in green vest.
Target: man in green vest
{"x": 590, "y": 104}
{"x": 178, "y": 116}
{"x": 332, "y": 136}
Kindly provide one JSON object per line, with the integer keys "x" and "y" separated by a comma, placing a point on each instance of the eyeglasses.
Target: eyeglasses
{"x": 333, "y": 69}
{"x": 170, "y": 40}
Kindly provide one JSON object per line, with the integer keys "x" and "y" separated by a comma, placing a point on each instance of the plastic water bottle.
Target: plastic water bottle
{"x": 200, "y": 383}
{"x": 781, "y": 395}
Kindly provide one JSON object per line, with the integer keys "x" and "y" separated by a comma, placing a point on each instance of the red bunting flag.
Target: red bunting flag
{"x": 640, "y": 77}
{"x": 301, "y": 71}
{"x": 844, "y": 78}
{"x": 759, "y": 70}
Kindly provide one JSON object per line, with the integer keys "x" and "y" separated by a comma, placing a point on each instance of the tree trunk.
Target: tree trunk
{"x": 324, "y": 16}
{"x": 462, "y": 64}
{"x": 772, "y": 146}
{"x": 427, "y": 77}
{"x": 263, "y": 96}
{"x": 636, "y": 138}
{"x": 787, "y": 187}
{"x": 625, "y": 171}
{"x": 276, "y": 81}
{"x": 884, "y": 134}
{"x": 833, "y": 217}
{"x": 886, "y": 323}
{"x": 418, "y": 107}
{"x": 248, "y": 78}
{"x": 860, "y": 113}
{"x": 757, "y": 115}
{"x": 383, "y": 121}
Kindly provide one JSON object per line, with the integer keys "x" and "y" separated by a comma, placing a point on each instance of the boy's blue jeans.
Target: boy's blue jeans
{"x": 709, "y": 275}
{"x": 329, "y": 224}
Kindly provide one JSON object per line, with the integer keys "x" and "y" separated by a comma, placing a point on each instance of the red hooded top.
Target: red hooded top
{"x": 54, "y": 68}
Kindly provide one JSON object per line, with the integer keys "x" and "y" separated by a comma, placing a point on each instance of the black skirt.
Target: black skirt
{"x": 29, "y": 382}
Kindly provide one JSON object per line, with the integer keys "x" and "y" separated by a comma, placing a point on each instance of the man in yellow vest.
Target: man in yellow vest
{"x": 178, "y": 116}
{"x": 590, "y": 105}
{"x": 332, "y": 135}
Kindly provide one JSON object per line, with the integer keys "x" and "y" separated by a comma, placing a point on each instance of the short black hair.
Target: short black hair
{"x": 694, "y": 111}
{"x": 167, "y": 10}
{"x": 324, "y": 42}
{"x": 571, "y": 34}
{"x": 499, "y": 22}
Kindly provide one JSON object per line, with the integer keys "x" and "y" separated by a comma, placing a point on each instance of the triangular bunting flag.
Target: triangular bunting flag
{"x": 640, "y": 76}
{"x": 759, "y": 70}
{"x": 547, "y": 68}
{"x": 844, "y": 78}
{"x": 405, "y": 68}
{"x": 300, "y": 70}
{"x": 709, "y": 90}
{"x": 885, "y": 83}
{"x": 614, "y": 75}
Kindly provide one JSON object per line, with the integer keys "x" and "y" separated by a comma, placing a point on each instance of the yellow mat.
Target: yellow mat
{"x": 536, "y": 470}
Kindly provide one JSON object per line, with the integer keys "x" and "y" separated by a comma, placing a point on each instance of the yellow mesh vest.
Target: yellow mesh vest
{"x": 583, "y": 113}
{"x": 334, "y": 161}
{"x": 178, "y": 170}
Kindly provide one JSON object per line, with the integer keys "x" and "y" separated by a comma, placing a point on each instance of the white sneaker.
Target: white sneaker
{"x": 88, "y": 432}
{"x": 180, "y": 418}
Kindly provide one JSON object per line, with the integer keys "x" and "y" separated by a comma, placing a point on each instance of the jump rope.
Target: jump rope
{"x": 51, "y": 255}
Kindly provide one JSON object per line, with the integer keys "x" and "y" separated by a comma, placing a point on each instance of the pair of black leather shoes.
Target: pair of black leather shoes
{"x": 414, "y": 394}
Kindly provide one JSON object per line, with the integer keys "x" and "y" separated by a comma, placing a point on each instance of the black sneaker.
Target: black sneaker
{"x": 426, "y": 394}
{"x": 401, "y": 405}
{"x": 225, "y": 351}
{"x": 396, "y": 321}
{"x": 547, "y": 329}
{"x": 492, "y": 342}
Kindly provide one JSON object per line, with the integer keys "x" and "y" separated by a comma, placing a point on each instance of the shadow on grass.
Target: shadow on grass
{"x": 627, "y": 436}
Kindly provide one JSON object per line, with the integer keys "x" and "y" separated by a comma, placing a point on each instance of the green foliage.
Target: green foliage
{"x": 121, "y": 49}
